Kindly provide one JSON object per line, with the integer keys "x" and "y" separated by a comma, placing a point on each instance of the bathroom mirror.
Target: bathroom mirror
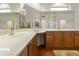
{"x": 26, "y": 16}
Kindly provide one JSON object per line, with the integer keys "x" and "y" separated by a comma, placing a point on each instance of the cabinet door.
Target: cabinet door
{"x": 58, "y": 41}
{"x": 33, "y": 47}
{"x": 49, "y": 39}
{"x": 76, "y": 40}
{"x": 25, "y": 51}
{"x": 68, "y": 39}
{"x": 30, "y": 48}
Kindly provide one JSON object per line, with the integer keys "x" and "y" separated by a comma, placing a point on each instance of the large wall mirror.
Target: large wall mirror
{"x": 26, "y": 16}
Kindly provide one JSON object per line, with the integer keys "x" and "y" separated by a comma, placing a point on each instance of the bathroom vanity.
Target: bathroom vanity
{"x": 32, "y": 49}
{"x": 25, "y": 42}
{"x": 62, "y": 39}
{"x": 55, "y": 40}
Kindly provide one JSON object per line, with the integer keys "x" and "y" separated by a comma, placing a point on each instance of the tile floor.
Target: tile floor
{"x": 47, "y": 52}
{"x": 66, "y": 52}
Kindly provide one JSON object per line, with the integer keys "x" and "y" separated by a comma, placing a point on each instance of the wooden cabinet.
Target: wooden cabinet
{"x": 33, "y": 50}
{"x": 25, "y": 51}
{"x": 58, "y": 39}
{"x": 49, "y": 39}
{"x": 76, "y": 39}
{"x": 68, "y": 39}
{"x": 54, "y": 39}
{"x": 61, "y": 39}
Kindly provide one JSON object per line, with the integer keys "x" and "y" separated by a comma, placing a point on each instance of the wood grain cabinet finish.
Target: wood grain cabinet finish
{"x": 33, "y": 50}
{"x": 61, "y": 39}
{"x": 68, "y": 39}
{"x": 58, "y": 41}
{"x": 76, "y": 39}
{"x": 24, "y": 52}
{"x": 50, "y": 39}
{"x": 54, "y": 39}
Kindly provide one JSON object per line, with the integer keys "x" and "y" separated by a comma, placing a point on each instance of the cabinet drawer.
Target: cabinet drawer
{"x": 49, "y": 36}
{"x": 50, "y": 33}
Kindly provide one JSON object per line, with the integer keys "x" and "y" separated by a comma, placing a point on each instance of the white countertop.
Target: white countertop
{"x": 44, "y": 30}
{"x": 12, "y": 45}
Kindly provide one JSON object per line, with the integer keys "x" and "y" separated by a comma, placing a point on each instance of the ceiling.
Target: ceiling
{"x": 47, "y": 6}
{"x": 43, "y": 6}
{"x": 13, "y": 7}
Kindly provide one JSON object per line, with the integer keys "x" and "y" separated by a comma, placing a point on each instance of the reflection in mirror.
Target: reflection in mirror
{"x": 62, "y": 24}
{"x": 23, "y": 16}
{"x": 9, "y": 24}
